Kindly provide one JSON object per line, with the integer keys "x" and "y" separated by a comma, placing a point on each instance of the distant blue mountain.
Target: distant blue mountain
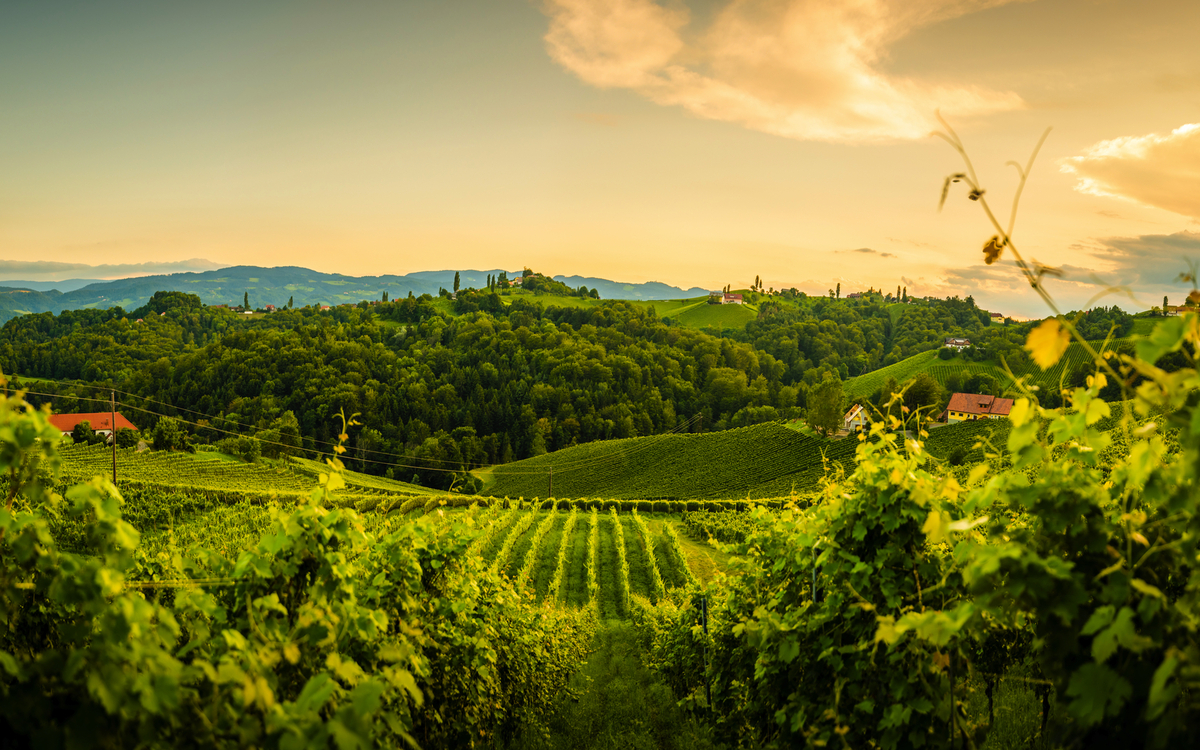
{"x": 275, "y": 286}
{"x": 617, "y": 290}
{"x": 69, "y": 285}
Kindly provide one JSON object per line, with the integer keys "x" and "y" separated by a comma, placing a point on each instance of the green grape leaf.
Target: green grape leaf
{"x": 1097, "y": 691}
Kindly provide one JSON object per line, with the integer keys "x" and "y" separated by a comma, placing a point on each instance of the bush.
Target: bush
{"x": 245, "y": 448}
{"x": 946, "y": 353}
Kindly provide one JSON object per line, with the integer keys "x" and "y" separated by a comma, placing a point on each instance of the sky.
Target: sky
{"x": 698, "y": 143}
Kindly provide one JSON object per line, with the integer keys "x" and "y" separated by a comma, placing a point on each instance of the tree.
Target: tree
{"x": 83, "y": 433}
{"x": 456, "y": 282}
{"x": 169, "y": 435}
{"x": 897, "y": 291}
{"x": 904, "y": 296}
{"x": 923, "y": 392}
{"x": 839, "y": 290}
{"x": 825, "y": 406}
{"x": 246, "y": 301}
{"x": 289, "y": 303}
{"x": 385, "y": 295}
{"x": 127, "y": 438}
{"x": 1164, "y": 305}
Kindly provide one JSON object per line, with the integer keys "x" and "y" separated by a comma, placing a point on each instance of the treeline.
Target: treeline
{"x": 439, "y": 393}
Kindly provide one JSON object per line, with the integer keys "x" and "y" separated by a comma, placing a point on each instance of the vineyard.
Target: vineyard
{"x": 762, "y": 461}
{"x": 902, "y": 371}
{"x": 182, "y": 470}
{"x": 1019, "y": 582}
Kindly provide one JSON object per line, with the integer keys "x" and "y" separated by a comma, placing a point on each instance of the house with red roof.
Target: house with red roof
{"x": 101, "y": 422}
{"x": 731, "y": 299}
{"x": 965, "y": 406}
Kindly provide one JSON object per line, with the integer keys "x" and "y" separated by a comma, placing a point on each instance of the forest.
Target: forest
{"x": 480, "y": 384}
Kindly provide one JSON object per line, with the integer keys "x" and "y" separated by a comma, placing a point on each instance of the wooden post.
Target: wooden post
{"x": 113, "y": 406}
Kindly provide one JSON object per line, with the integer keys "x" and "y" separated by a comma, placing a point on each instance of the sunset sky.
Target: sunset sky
{"x": 698, "y": 143}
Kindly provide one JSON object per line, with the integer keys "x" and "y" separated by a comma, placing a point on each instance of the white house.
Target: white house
{"x": 954, "y": 343}
{"x": 855, "y": 419}
{"x": 731, "y": 299}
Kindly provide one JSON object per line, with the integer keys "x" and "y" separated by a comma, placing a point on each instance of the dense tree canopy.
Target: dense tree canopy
{"x": 445, "y": 386}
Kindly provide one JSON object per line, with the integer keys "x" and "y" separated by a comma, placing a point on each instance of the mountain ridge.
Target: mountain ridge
{"x": 276, "y": 285}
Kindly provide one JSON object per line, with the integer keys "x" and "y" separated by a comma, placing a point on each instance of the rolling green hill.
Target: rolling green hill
{"x": 725, "y": 464}
{"x": 941, "y": 370}
{"x": 702, "y": 315}
{"x": 763, "y": 461}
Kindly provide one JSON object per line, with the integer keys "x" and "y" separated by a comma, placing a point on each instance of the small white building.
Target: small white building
{"x": 732, "y": 299}
{"x": 959, "y": 344}
{"x": 855, "y": 419}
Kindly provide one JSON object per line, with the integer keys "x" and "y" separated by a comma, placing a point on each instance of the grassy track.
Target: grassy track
{"x": 575, "y": 586}
{"x": 635, "y": 553}
{"x": 610, "y": 599}
{"x": 543, "y": 571}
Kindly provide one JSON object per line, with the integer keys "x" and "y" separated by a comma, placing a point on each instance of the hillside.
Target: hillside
{"x": 215, "y": 473}
{"x": 763, "y": 461}
{"x": 942, "y": 370}
{"x": 729, "y": 464}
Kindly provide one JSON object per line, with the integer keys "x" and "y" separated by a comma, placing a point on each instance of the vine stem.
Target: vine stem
{"x": 1005, "y": 235}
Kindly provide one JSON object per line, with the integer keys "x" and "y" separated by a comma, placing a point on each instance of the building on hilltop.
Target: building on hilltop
{"x": 731, "y": 299}
{"x": 967, "y": 406}
{"x": 956, "y": 343}
{"x": 101, "y": 422}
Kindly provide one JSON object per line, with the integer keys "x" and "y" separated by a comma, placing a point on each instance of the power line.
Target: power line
{"x": 649, "y": 442}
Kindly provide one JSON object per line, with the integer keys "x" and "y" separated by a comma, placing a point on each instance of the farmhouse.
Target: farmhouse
{"x": 731, "y": 299}
{"x": 955, "y": 343}
{"x": 855, "y": 419}
{"x": 966, "y": 406}
{"x": 100, "y": 421}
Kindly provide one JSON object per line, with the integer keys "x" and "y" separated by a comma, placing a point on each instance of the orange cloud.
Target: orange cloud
{"x": 1157, "y": 170}
{"x": 804, "y": 69}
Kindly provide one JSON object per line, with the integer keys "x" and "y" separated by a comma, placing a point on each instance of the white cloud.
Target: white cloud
{"x": 1156, "y": 170}
{"x": 805, "y": 69}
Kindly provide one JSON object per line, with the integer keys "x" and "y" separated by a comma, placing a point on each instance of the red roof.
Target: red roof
{"x": 974, "y": 403}
{"x": 100, "y": 420}
{"x": 737, "y": 297}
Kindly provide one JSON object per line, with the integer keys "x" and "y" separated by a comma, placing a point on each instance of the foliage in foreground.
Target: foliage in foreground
{"x": 856, "y": 621}
{"x": 322, "y": 633}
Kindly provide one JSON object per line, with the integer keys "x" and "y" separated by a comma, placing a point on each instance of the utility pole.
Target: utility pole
{"x": 113, "y": 405}
{"x": 550, "y": 491}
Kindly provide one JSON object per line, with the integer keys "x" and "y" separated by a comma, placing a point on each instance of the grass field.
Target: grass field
{"x": 704, "y": 315}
